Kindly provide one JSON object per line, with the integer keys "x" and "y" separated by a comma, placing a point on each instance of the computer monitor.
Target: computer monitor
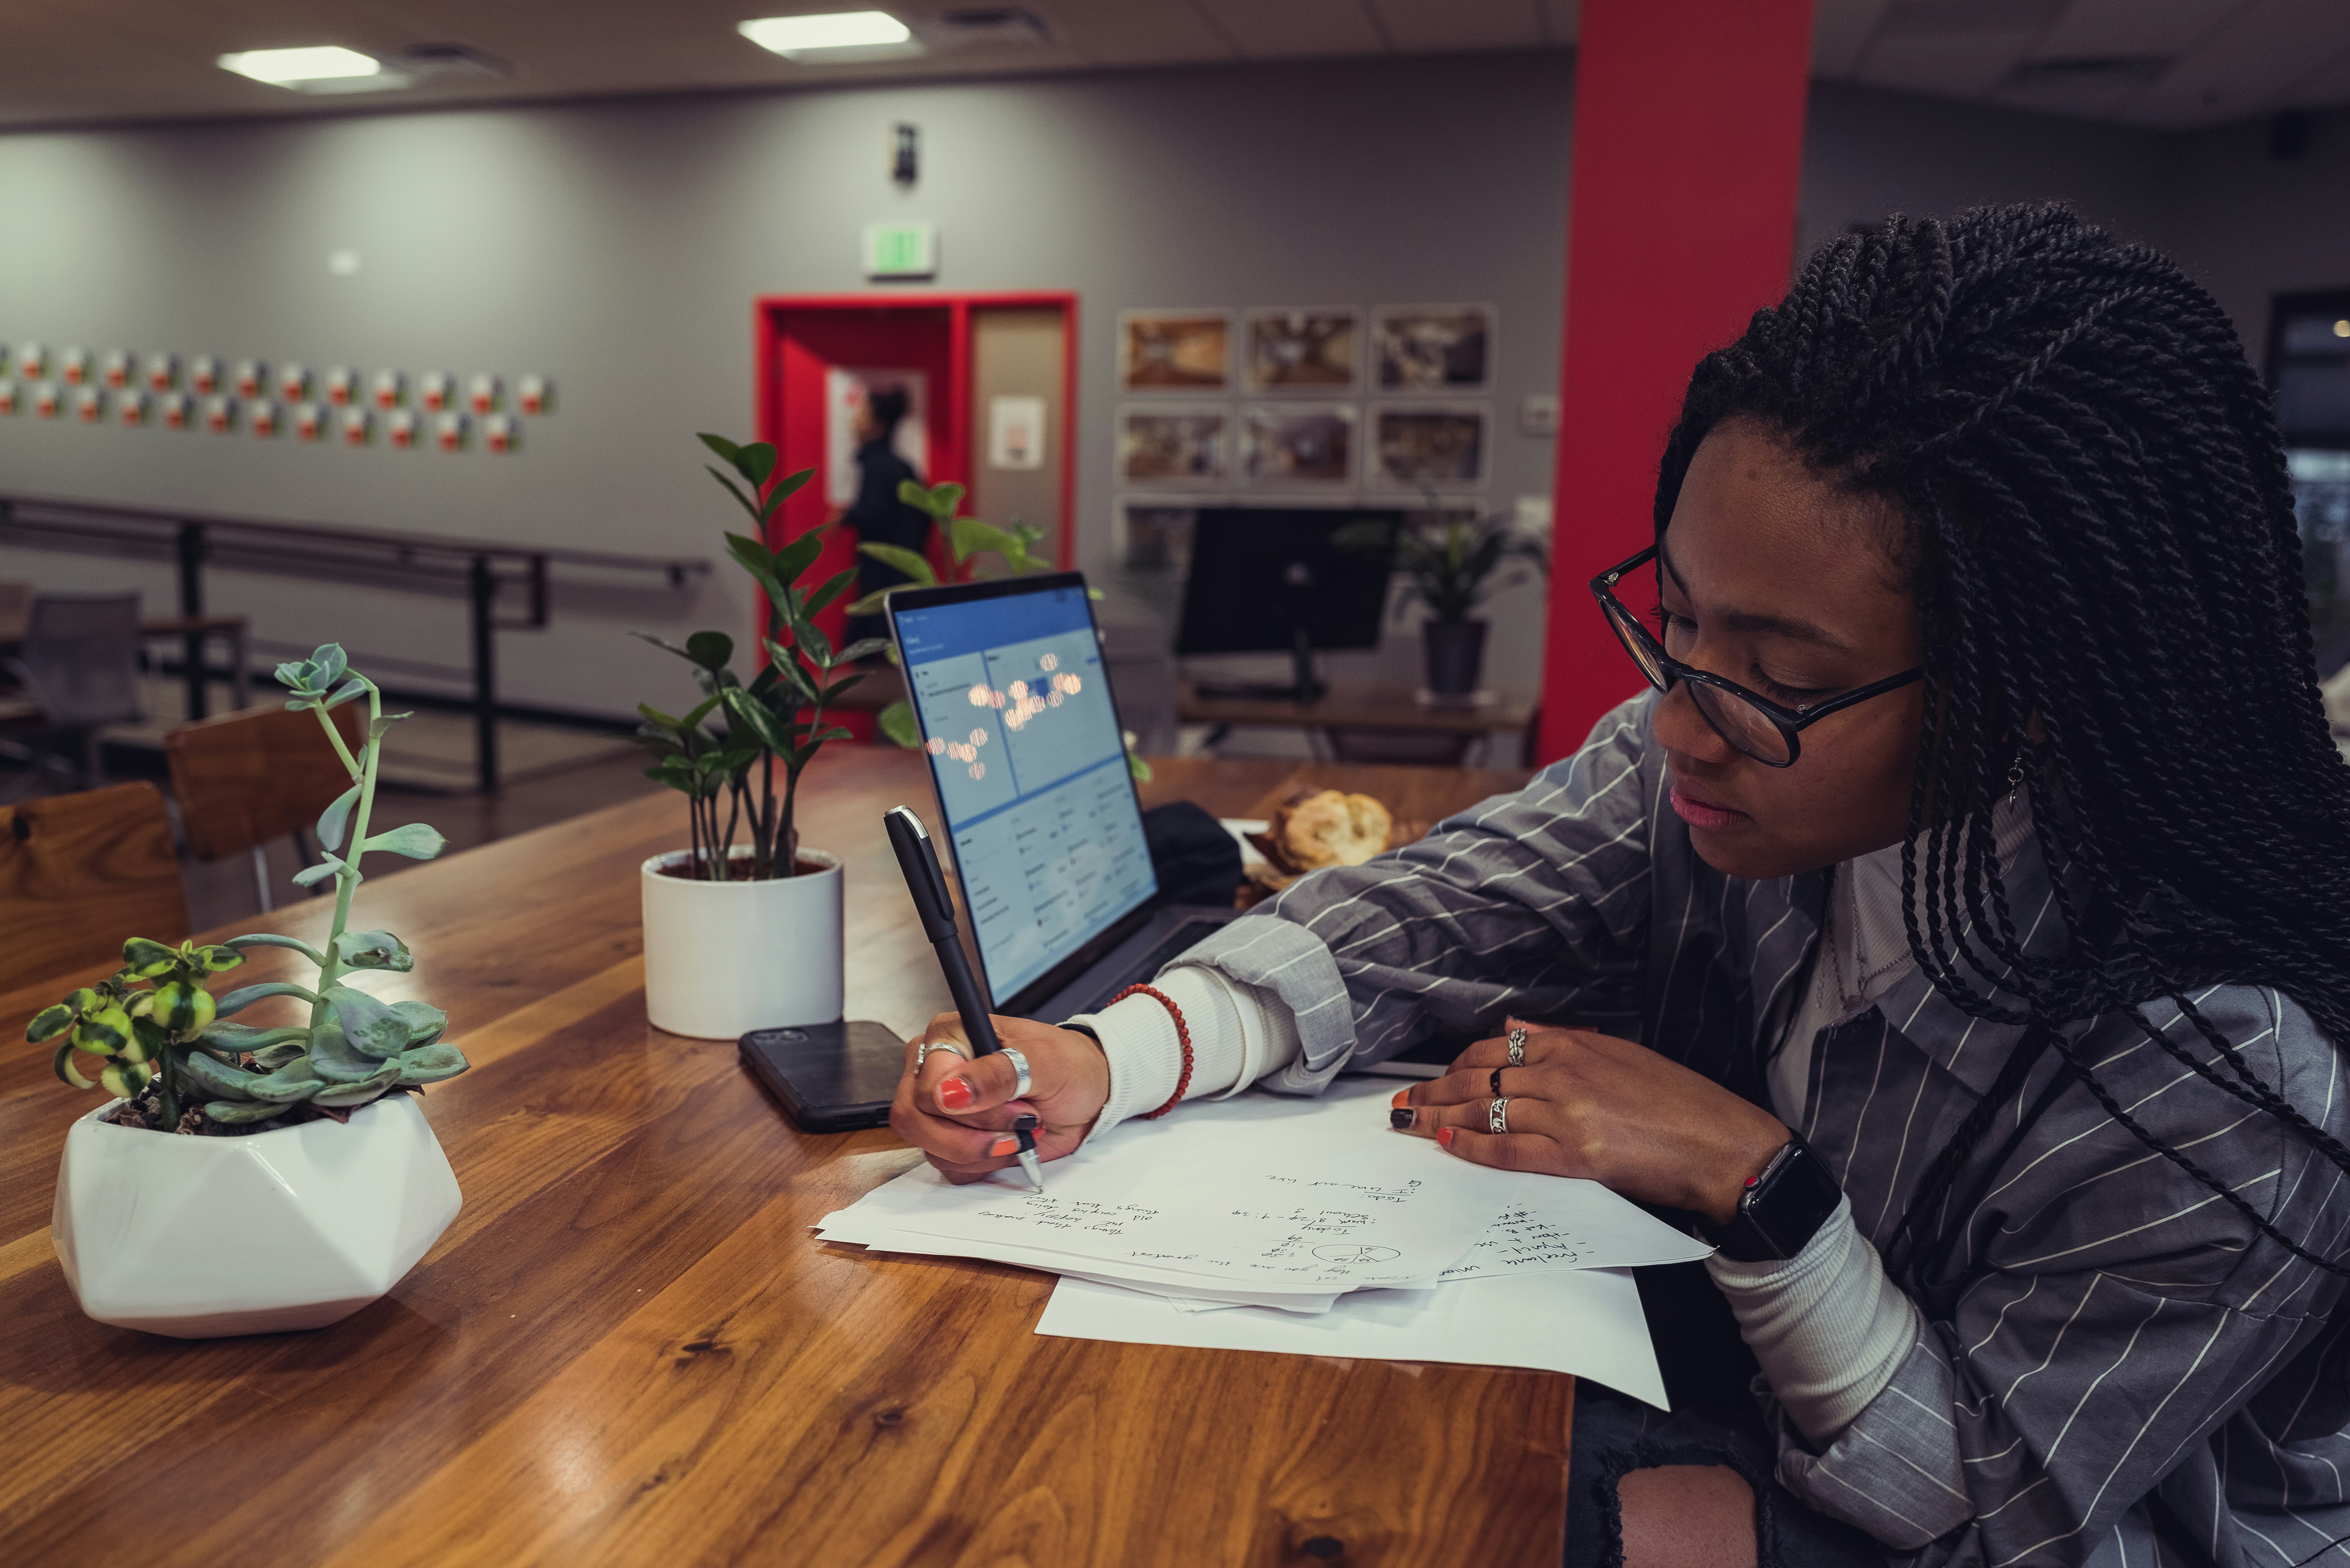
{"x": 1287, "y": 579}
{"x": 1006, "y": 681}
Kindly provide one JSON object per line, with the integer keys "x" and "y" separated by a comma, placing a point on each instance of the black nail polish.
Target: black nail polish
{"x": 1400, "y": 1117}
{"x": 1024, "y": 1122}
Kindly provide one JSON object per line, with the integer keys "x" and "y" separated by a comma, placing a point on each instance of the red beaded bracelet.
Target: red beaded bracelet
{"x": 1182, "y": 1033}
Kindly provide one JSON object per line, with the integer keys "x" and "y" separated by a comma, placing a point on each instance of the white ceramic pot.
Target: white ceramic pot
{"x": 723, "y": 959}
{"x": 295, "y": 1228}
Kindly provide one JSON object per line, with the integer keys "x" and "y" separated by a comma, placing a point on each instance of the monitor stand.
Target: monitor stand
{"x": 1305, "y": 687}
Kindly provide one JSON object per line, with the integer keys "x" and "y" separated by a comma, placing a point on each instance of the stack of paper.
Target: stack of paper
{"x": 1270, "y": 1222}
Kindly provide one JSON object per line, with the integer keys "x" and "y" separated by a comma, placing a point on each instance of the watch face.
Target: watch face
{"x": 1794, "y": 1199}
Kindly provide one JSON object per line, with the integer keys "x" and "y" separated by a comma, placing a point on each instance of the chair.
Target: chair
{"x": 80, "y": 874}
{"x": 79, "y": 668}
{"x": 15, "y": 610}
{"x": 244, "y": 779}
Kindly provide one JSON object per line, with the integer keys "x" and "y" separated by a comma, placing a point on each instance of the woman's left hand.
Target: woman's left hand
{"x": 1592, "y": 1106}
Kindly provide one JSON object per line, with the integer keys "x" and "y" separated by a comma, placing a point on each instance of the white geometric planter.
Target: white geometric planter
{"x": 296, "y": 1228}
{"x": 723, "y": 959}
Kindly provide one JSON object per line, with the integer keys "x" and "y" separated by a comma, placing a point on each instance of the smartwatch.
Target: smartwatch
{"x": 1780, "y": 1209}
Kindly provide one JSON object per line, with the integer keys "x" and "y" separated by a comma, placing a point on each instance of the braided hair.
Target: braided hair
{"x": 2099, "y": 536}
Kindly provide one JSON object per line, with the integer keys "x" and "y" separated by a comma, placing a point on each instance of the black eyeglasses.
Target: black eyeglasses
{"x": 1757, "y": 726}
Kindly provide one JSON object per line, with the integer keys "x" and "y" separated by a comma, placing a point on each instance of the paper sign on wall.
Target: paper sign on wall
{"x": 1016, "y": 432}
{"x": 845, "y": 391}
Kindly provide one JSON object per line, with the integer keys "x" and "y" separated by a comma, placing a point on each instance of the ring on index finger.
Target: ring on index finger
{"x": 1517, "y": 1048}
{"x": 1497, "y": 1116}
{"x": 1020, "y": 1065}
{"x": 922, "y": 1052}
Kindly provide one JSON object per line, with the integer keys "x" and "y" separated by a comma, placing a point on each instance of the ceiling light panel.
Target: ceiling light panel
{"x": 292, "y": 68}
{"x": 834, "y": 36}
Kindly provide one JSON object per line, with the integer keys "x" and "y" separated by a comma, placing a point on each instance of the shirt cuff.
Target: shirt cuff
{"x": 1828, "y": 1327}
{"x": 1238, "y": 1035}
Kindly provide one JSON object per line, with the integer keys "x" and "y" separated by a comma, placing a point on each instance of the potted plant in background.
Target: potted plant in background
{"x": 1449, "y": 560}
{"x": 748, "y": 936}
{"x": 251, "y": 1179}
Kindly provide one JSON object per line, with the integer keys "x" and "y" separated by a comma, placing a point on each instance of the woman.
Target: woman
{"x": 1977, "y": 857}
{"x": 877, "y": 514}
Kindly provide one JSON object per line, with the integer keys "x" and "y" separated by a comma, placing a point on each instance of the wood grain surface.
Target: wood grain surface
{"x": 627, "y": 1350}
{"x": 78, "y": 874}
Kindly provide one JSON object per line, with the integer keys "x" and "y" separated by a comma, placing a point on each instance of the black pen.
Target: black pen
{"x": 926, "y": 881}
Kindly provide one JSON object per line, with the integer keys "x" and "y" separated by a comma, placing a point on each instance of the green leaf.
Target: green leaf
{"x": 896, "y": 722}
{"x": 940, "y": 500}
{"x": 790, "y": 671}
{"x": 431, "y": 1063}
{"x": 146, "y": 959}
{"x": 333, "y": 865}
{"x": 425, "y": 1021}
{"x": 865, "y": 647}
{"x": 238, "y": 1038}
{"x": 753, "y": 555}
{"x": 65, "y": 1066}
{"x": 245, "y": 996}
{"x": 832, "y": 693}
{"x": 735, "y": 489}
{"x": 369, "y": 1025}
{"x": 336, "y": 818}
{"x": 377, "y": 726}
{"x": 272, "y": 1057}
{"x": 755, "y": 716}
{"x": 103, "y": 1032}
{"x": 330, "y": 665}
{"x": 913, "y": 563}
{"x": 270, "y": 940}
{"x": 797, "y": 556}
{"x": 755, "y": 461}
{"x": 218, "y": 960}
{"x": 124, "y": 1080}
{"x": 816, "y": 645}
{"x": 146, "y": 1041}
{"x": 784, "y": 490}
{"x": 291, "y": 1084}
{"x": 235, "y": 1113}
{"x": 332, "y": 1058}
{"x": 49, "y": 1023}
{"x": 217, "y": 1079}
{"x": 375, "y": 949}
{"x": 416, "y": 840}
{"x": 345, "y": 1095}
{"x": 721, "y": 445}
{"x": 968, "y": 536}
{"x": 182, "y": 1008}
{"x": 830, "y": 589}
{"x": 350, "y": 688}
{"x": 1138, "y": 768}
{"x": 871, "y": 603}
{"x": 296, "y": 676}
{"x": 300, "y": 705}
{"x": 710, "y": 650}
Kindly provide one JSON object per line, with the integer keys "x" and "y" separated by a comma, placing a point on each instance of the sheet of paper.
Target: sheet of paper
{"x": 1190, "y": 1286}
{"x": 1568, "y": 1224}
{"x": 1586, "y": 1322}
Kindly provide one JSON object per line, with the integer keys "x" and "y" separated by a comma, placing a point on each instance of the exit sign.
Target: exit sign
{"x": 901, "y": 250}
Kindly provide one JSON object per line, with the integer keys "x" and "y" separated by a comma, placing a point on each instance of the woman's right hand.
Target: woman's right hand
{"x": 958, "y": 1111}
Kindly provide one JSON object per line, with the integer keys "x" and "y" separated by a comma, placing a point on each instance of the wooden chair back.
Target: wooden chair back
{"x": 80, "y": 874}
{"x": 247, "y": 778}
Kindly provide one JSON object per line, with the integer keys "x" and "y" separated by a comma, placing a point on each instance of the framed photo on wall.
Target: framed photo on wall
{"x": 1287, "y": 445}
{"x": 1188, "y": 448}
{"x": 1432, "y": 348}
{"x": 1428, "y": 446}
{"x": 1315, "y": 351}
{"x": 1175, "y": 351}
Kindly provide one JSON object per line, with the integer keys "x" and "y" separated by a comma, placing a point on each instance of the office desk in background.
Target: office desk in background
{"x": 627, "y": 1350}
{"x": 1355, "y": 705}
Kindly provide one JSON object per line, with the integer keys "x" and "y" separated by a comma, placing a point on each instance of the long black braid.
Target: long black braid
{"x": 2100, "y": 538}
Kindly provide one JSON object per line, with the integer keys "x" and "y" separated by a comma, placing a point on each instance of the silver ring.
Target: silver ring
{"x": 922, "y": 1052}
{"x": 1518, "y": 1046}
{"x": 1020, "y": 1065}
{"x": 1497, "y": 1115}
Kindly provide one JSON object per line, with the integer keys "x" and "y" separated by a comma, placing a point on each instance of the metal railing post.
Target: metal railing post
{"x": 485, "y": 674}
{"x": 191, "y": 604}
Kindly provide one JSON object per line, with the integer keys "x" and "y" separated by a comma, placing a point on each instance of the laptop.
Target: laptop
{"x": 1036, "y": 809}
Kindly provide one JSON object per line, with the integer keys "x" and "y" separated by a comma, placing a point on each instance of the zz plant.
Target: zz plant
{"x": 156, "y": 1023}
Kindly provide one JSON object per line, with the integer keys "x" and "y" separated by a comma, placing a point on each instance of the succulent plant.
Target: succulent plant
{"x": 156, "y": 1021}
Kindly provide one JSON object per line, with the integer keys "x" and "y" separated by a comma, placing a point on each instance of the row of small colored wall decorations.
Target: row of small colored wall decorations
{"x": 249, "y": 395}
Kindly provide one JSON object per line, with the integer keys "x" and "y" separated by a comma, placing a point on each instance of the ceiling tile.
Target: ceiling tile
{"x": 1840, "y": 32}
{"x": 1967, "y": 67}
{"x": 2109, "y": 29}
{"x": 1439, "y": 25}
{"x": 1291, "y": 28}
{"x": 2250, "y": 66}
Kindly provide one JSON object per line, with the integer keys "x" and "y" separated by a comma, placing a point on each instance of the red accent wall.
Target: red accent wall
{"x": 1689, "y": 131}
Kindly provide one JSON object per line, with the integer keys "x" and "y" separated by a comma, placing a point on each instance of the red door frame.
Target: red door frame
{"x": 954, "y": 455}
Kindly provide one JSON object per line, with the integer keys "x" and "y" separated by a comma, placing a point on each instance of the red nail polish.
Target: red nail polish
{"x": 1402, "y": 1097}
{"x": 1003, "y": 1147}
{"x": 1444, "y": 1136}
{"x": 955, "y": 1094}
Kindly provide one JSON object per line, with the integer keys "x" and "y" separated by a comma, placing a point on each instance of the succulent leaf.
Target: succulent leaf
{"x": 369, "y": 1025}
{"x": 217, "y": 1079}
{"x": 417, "y": 840}
{"x": 328, "y": 864}
{"x": 271, "y": 939}
{"x": 146, "y": 959}
{"x": 336, "y": 818}
{"x": 245, "y": 996}
{"x": 896, "y": 722}
{"x": 182, "y": 1007}
{"x": 234, "y": 1038}
{"x": 343, "y": 1095}
{"x": 272, "y": 1057}
{"x": 104, "y": 1032}
{"x": 425, "y": 1021}
{"x": 431, "y": 1063}
{"x": 69, "y": 1070}
{"x": 146, "y": 1041}
{"x": 332, "y": 1058}
{"x": 49, "y": 1023}
{"x": 375, "y": 949}
{"x": 232, "y": 1113}
{"x": 124, "y": 1080}
{"x": 289, "y": 1085}
{"x": 217, "y": 960}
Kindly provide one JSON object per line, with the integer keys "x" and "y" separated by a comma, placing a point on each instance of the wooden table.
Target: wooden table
{"x": 1360, "y": 705}
{"x": 627, "y": 1350}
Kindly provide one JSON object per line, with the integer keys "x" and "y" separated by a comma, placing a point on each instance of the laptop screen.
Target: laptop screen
{"x": 1023, "y": 742}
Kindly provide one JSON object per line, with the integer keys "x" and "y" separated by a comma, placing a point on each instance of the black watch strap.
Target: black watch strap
{"x": 1783, "y": 1208}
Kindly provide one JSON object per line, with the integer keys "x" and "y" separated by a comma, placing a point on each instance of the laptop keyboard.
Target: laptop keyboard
{"x": 1181, "y": 938}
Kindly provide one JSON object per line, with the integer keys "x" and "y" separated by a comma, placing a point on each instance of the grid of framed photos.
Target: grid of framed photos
{"x": 1330, "y": 401}
{"x": 341, "y": 403}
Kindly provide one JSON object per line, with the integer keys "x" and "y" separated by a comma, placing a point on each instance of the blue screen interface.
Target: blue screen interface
{"x": 1023, "y": 742}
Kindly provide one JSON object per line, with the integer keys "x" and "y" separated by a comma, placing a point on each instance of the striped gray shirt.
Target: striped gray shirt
{"x": 2117, "y": 1369}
